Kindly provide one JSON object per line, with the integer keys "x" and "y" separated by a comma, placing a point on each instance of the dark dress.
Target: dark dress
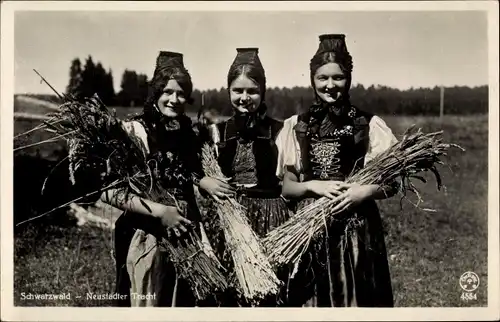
{"x": 348, "y": 266}
{"x": 248, "y": 155}
{"x": 173, "y": 147}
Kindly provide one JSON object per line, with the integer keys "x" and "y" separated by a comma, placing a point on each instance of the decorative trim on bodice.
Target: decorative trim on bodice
{"x": 331, "y": 150}
{"x": 324, "y": 159}
{"x": 244, "y": 165}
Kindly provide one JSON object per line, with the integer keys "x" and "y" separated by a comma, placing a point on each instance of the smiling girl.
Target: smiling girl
{"x": 143, "y": 266}
{"x": 317, "y": 151}
{"x": 248, "y": 153}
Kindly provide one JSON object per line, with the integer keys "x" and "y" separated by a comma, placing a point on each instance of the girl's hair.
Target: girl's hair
{"x": 332, "y": 49}
{"x": 160, "y": 80}
{"x": 254, "y": 73}
{"x": 344, "y": 61}
{"x": 156, "y": 87}
{"x": 169, "y": 65}
{"x": 247, "y": 62}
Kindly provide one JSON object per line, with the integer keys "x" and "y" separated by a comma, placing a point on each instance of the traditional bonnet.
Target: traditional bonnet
{"x": 169, "y": 60}
{"x": 335, "y": 44}
{"x": 169, "y": 64}
{"x": 248, "y": 56}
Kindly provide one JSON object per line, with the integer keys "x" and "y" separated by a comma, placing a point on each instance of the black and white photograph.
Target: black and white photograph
{"x": 292, "y": 158}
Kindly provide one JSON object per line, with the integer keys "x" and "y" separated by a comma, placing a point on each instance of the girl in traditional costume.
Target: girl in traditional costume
{"x": 317, "y": 150}
{"x": 170, "y": 144}
{"x": 247, "y": 154}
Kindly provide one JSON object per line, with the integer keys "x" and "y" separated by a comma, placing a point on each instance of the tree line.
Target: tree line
{"x": 282, "y": 102}
{"x": 91, "y": 78}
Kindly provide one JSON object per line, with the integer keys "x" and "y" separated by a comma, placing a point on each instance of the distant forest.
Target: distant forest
{"x": 283, "y": 102}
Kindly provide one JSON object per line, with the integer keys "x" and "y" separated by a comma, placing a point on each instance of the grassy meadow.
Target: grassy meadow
{"x": 428, "y": 251}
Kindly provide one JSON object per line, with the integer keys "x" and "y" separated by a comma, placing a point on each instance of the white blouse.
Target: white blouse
{"x": 381, "y": 138}
{"x": 136, "y": 129}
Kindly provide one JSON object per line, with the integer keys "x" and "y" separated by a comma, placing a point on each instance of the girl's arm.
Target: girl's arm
{"x": 377, "y": 192}
{"x": 292, "y": 188}
{"x": 207, "y": 185}
{"x": 131, "y": 202}
{"x": 168, "y": 216}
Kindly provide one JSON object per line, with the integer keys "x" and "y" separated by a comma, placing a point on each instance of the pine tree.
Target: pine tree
{"x": 75, "y": 85}
{"x": 109, "y": 88}
{"x": 99, "y": 82}
{"x": 129, "y": 88}
{"x": 142, "y": 89}
{"x": 88, "y": 88}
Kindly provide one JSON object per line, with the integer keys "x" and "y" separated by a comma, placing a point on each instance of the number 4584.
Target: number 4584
{"x": 468, "y": 296}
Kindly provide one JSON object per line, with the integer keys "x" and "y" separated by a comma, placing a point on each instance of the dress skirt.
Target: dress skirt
{"x": 264, "y": 214}
{"x": 347, "y": 267}
{"x": 145, "y": 275}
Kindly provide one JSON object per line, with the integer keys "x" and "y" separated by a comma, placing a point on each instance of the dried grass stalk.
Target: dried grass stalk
{"x": 254, "y": 273}
{"x": 195, "y": 263}
{"x": 417, "y": 152}
{"x": 98, "y": 141}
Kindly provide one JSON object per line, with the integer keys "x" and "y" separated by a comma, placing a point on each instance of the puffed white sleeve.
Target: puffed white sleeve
{"x": 136, "y": 129}
{"x": 288, "y": 147}
{"x": 381, "y": 138}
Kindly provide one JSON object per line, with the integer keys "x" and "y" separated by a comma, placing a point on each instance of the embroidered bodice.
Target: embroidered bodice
{"x": 331, "y": 149}
{"x": 249, "y": 156}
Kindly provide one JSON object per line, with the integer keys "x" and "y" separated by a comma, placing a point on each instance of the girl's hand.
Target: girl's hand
{"x": 354, "y": 195}
{"x": 329, "y": 189}
{"x": 216, "y": 188}
{"x": 172, "y": 220}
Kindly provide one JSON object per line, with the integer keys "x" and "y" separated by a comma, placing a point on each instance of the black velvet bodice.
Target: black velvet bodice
{"x": 333, "y": 147}
{"x": 249, "y": 155}
{"x": 174, "y": 155}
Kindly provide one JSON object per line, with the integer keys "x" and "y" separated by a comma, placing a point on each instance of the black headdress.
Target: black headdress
{"x": 169, "y": 60}
{"x": 248, "y": 57}
{"x": 335, "y": 44}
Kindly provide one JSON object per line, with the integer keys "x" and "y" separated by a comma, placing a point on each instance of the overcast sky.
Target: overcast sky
{"x": 398, "y": 49}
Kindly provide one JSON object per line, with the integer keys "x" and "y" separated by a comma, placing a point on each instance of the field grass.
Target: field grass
{"x": 428, "y": 251}
{"x": 59, "y": 259}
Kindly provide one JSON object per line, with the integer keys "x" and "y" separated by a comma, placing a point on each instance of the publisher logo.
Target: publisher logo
{"x": 469, "y": 281}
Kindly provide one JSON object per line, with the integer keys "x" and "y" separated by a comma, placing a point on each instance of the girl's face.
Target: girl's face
{"x": 330, "y": 82}
{"x": 245, "y": 94}
{"x": 172, "y": 101}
